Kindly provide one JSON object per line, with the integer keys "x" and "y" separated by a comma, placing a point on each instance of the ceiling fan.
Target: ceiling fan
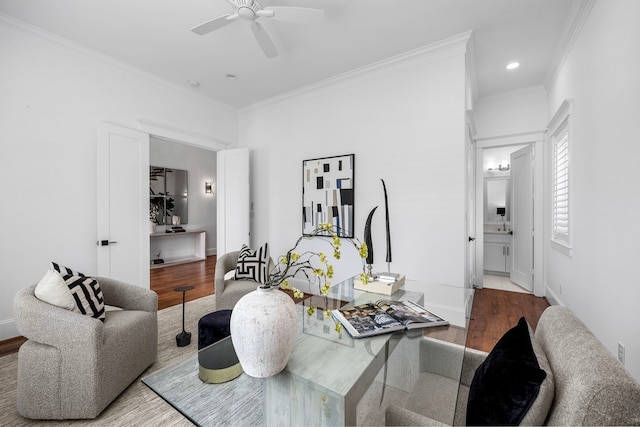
{"x": 251, "y": 10}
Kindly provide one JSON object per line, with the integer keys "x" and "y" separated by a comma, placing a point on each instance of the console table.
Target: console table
{"x": 199, "y": 252}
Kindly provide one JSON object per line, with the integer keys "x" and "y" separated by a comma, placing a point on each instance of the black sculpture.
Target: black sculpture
{"x": 386, "y": 208}
{"x": 367, "y": 239}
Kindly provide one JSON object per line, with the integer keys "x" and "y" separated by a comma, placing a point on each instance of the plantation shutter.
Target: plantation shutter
{"x": 560, "y": 190}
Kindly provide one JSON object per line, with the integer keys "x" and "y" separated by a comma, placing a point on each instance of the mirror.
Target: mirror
{"x": 497, "y": 200}
{"x": 168, "y": 195}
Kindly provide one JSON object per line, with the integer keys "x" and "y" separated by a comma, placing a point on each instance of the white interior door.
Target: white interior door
{"x": 522, "y": 217}
{"x": 470, "y": 222}
{"x": 123, "y": 205}
{"x": 233, "y": 200}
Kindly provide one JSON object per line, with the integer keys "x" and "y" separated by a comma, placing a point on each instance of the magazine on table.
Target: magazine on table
{"x": 385, "y": 316}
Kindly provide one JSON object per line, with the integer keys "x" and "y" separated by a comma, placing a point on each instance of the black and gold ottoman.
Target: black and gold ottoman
{"x": 216, "y": 356}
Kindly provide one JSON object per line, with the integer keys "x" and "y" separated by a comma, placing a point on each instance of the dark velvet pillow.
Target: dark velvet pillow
{"x": 507, "y": 383}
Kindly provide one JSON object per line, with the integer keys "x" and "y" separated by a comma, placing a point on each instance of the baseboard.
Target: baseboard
{"x": 8, "y": 329}
{"x": 552, "y": 297}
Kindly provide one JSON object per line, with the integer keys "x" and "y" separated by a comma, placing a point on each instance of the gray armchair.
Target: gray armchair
{"x": 73, "y": 366}
{"x": 590, "y": 386}
{"x": 228, "y": 292}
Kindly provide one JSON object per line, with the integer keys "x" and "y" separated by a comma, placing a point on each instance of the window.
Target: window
{"x": 560, "y": 202}
{"x": 560, "y": 135}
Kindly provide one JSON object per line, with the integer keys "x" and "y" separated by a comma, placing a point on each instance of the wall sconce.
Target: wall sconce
{"x": 208, "y": 189}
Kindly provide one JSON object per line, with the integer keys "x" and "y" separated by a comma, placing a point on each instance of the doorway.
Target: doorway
{"x": 499, "y": 225}
{"x": 189, "y": 203}
{"x": 495, "y": 221}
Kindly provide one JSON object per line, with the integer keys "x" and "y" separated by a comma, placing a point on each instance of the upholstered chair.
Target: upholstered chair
{"x": 73, "y": 366}
{"x": 228, "y": 291}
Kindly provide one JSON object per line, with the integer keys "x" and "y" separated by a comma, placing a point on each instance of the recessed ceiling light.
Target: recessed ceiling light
{"x": 194, "y": 84}
{"x": 513, "y": 66}
{"x": 231, "y": 77}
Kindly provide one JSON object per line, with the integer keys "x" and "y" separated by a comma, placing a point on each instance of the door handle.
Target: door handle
{"x": 471, "y": 239}
{"x": 104, "y": 243}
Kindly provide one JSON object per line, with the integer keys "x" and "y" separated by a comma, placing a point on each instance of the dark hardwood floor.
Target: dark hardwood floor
{"x": 493, "y": 313}
{"x": 198, "y": 274}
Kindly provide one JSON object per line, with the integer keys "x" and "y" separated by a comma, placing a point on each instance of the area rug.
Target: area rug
{"x": 137, "y": 405}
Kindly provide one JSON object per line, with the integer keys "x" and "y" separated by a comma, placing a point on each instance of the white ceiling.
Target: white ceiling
{"x": 155, "y": 36}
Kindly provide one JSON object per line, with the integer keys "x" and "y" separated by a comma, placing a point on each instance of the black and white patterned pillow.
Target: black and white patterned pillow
{"x": 85, "y": 291}
{"x": 253, "y": 265}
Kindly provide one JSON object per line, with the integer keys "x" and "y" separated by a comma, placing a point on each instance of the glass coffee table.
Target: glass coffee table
{"x": 330, "y": 379}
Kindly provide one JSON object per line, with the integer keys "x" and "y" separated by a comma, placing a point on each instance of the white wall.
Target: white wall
{"x": 405, "y": 123}
{"x": 600, "y": 281}
{"x": 201, "y": 210}
{"x": 53, "y": 97}
{"x": 511, "y": 113}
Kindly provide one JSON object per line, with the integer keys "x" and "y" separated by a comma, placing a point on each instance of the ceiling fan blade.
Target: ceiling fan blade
{"x": 212, "y": 25}
{"x": 300, "y": 15}
{"x": 263, "y": 39}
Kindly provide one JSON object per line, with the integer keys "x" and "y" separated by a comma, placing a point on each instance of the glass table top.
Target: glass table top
{"x": 327, "y": 369}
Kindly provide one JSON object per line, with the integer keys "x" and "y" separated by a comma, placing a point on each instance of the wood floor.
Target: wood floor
{"x": 493, "y": 313}
{"x": 198, "y": 274}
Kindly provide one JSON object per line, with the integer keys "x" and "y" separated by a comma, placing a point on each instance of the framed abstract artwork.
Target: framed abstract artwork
{"x": 327, "y": 193}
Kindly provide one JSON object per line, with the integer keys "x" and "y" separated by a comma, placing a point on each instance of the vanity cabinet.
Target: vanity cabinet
{"x": 497, "y": 252}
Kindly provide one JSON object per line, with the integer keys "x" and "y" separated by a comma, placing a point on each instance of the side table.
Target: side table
{"x": 183, "y": 339}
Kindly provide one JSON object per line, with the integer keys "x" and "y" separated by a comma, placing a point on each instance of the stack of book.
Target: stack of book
{"x": 175, "y": 229}
{"x": 382, "y": 283}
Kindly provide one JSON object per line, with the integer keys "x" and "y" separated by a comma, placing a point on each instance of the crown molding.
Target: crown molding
{"x": 510, "y": 139}
{"x": 45, "y": 40}
{"x": 184, "y": 136}
{"x": 580, "y": 11}
{"x": 514, "y": 92}
{"x": 471, "y": 70}
{"x": 450, "y": 47}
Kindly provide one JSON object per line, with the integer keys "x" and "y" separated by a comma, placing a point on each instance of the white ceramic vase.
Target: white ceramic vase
{"x": 263, "y": 329}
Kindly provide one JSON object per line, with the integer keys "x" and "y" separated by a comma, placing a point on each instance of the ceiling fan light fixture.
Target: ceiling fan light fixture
{"x": 251, "y": 10}
{"x": 513, "y": 65}
{"x": 231, "y": 77}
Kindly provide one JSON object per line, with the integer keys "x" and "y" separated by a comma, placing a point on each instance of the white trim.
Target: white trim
{"x": 551, "y": 296}
{"x": 511, "y": 93}
{"x": 535, "y": 138}
{"x": 447, "y": 48}
{"x": 580, "y": 11}
{"x": 561, "y": 246}
{"x": 8, "y": 329}
{"x": 561, "y": 120}
{"x": 471, "y": 121}
{"x": 565, "y": 110}
{"x": 38, "y": 37}
{"x": 510, "y": 139}
{"x": 471, "y": 71}
{"x": 181, "y": 136}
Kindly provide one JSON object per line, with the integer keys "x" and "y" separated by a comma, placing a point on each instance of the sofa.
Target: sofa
{"x": 590, "y": 386}
{"x": 229, "y": 290}
{"x": 73, "y": 365}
